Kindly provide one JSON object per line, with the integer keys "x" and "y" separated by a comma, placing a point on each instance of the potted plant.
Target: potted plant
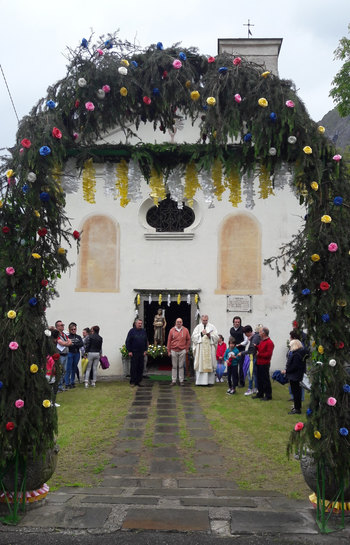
{"x": 125, "y": 360}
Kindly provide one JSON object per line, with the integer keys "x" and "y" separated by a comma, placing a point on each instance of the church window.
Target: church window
{"x": 167, "y": 217}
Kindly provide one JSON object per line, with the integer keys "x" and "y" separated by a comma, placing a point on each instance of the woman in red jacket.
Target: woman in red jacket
{"x": 220, "y": 351}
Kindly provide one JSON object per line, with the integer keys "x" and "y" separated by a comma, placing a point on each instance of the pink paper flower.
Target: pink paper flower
{"x": 211, "y": 59}
{"x": 290, "y": 104}
{"x": 10, "y": 271}
{"x": 56, "y": 133}
{"x": 331, "y": 401}
{"x": 177, "y": 64}
{"x": 89, "y": 106}
{"x": 147, "y": 100}
{"x": 238, "y": 98}
{"x": 106, "y": 88}
{"x": 19, "y": 403}
{"x": 337, "y": 157}
{"x": 100, "y": 52}
{"x": 333, "y": 247}
{"x": 298, "y": 426}
{"x": 13, "y": 345}
{"x": 237, "y": 61}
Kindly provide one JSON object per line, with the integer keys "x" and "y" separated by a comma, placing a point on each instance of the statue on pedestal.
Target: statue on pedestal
{"x": 159, "y": 324}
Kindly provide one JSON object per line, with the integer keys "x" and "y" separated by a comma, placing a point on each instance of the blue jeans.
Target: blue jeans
{"x": 63, "y": 362}
{"x": 252, "y": 379}
{"x": 72, "y": 364}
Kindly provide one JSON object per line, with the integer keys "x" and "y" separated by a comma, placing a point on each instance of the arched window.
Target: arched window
{"x": 98, "y": 265}
{"x": 239, "y": 255}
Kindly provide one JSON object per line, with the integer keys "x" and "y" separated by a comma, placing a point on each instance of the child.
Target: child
{"x": 220, "y": 353}
{"x": 231, "y": 360}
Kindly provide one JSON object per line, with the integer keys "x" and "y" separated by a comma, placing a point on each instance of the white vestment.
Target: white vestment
{"x": 204, "y": 351}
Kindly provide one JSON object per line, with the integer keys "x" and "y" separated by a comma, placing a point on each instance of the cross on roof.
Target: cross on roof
{"x": 249, "y": 25}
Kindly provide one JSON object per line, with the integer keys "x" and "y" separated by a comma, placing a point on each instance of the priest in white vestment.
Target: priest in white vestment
{"x": 205, "y": 339}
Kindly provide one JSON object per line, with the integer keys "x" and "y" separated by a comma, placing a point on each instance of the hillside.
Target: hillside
{"x": 337, "y": 128}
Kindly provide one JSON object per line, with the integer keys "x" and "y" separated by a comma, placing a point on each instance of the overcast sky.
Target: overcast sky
{"x": 34, "y": 36}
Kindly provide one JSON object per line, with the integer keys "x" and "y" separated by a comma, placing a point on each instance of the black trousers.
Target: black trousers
{"x": 232, "y": 376}
{"x": 296, "y": 391}
{"x": 240, "y": 370}
{"x": 264, "y": 382}
{"x": 136, "y": 367}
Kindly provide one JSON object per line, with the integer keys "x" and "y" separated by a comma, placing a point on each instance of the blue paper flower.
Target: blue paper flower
{"x": 108, "y": 44}
{"x": 182, "y": 56}
{"x": 1, "y": 384}
{"x": 247, "y": 137}
{"x": 344, "y": 431}
{"x": 222, "y": 70}
{"x": 51, "y": 104}
{"x": 44, "y": 197}
{"x": 134, "y": 63}
{"x": 44, "y": 151}
{"x": 309, "y": 412}
{"x": 160, "y": 46}
{"x": 306, "y": 291}
{"x": 33, "y": 301}
{"x": 346, "y": 388}
{"x": 338, "y": 201}
{"x": 84, "y": 42}
{"x": 156, "y": 91}
{"x": 325, "y": 318}
{"x": 273, "y": 116}
{"x": 25, "y": 188}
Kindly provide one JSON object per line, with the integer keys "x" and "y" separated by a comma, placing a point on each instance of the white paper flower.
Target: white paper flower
{"x": 82, "y": 82}
{"x": 292, "y": 139}
{"x": 31, "y": 177}
{"x": 47, "y": 333}
{"x": 272, "y": 151}
{"x": 332, "y": 363}
{"x": 122, "y": 70}
{"x": 100, "y": 93}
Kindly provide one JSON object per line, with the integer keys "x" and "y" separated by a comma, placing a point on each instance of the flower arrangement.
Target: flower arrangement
{"x": 124, "y": 351}
{"x": 157, "y": 351}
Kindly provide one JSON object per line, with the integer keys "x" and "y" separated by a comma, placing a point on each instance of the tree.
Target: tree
{"x": 340, "y": 91}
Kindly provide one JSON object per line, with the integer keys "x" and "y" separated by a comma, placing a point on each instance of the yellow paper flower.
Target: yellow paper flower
{"x": 11, "y": 314}
{"x": 211, "y": 101}
{"x": 265, "y": 74}
{"x": 307, "y": 150}
{"x": 138, "y": 299}
{"x": 1, "y": 204}
{"x": 341, "y": 303}
{"x": 320, "y": 349}
{"x": 314, "y": 185}
{"x": 263, "y": 102}
{"x": 188, "y": 84}
{"x": 34, "y": 368}
{"x": 195, "y": 95}
{"x": 36, "y": 213}
{"x": 123, "y": 91}
{"x": 315, "y": 257}
{"x": 321, "y": 129}
{"x": 317, "y": 435}
{"x": 61, "y": 251}
{"x": 46, "y": 403}
{"x": 125, "y": 62}
{"x": 9, "y": 173}
{"x": 36, "y": 256}
{"x": 304, "y": 192}
{"x": 326, "y": 219}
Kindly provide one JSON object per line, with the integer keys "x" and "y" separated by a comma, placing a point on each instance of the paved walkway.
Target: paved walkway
{"x": 149, "y": 485}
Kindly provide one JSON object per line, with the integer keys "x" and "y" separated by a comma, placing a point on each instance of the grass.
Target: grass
{"x": 252, "y": 436}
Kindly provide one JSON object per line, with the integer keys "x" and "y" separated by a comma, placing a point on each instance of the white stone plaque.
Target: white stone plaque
{"x": 239, "y": 303}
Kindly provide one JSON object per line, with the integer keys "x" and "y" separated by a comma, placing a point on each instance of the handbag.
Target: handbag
{"x": 104, "y": 362}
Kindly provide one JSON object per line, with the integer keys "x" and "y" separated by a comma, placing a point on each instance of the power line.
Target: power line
{"x": 8, "y": 90}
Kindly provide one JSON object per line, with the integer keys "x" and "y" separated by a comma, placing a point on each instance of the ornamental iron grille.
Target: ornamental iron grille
{"x": 167, "y": 217}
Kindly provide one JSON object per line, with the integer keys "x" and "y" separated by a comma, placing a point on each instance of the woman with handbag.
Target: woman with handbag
{"x": 295, "y": 369}
{"x": 93, "y": 348}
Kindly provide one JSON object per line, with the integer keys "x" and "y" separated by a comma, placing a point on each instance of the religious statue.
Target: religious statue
{"x": 159, "y": 324}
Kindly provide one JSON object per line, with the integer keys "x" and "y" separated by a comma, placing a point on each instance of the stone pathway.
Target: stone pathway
{"x": 153, "y": 483}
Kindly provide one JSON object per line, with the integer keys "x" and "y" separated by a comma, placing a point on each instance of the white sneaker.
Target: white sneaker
{"x": 217, "y": 379}
{"x": 86, "y": 384}
{"x": 228, "y": 391}
{"x": 248, "y": 392}
{"x": 57, "y": 405}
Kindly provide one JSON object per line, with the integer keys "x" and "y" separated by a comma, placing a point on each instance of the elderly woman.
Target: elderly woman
{"x": 295, "y": 369}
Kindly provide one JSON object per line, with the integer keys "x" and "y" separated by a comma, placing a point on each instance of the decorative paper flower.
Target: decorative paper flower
{"x": 333, "y": 247}
{"x": 177, "y": 64}
{"x": 272, "y": 151}
{"x": 340, "y": 345}
{"x": 265, "y": 74}
{"x": 341, "y": 303}
{"x": 51, "y": 104}
{"x": 182, "y": 56}
{"x": 108, "y": 44}
{"x": 44, "y": 197}
{"x": 308, "y": 412}
{"x": 25, "y": 189}
{"x": 46, "y": 403}
{"x": 10, "y": 426}
{"x": 36, "y": 213}
{"x": 106, "y": 88}
{"x": 6, "y": 230}
{"x": 123, "y": 91}
{"x": 9, "y": 173}
{"x": 315, "y": 258}
{"x": 238, "y": 98}
{"x": 306, "y": 291}
{"x": 76, "y": 235}
{"x": 1, "y": 384}
{"x": 317, "y": 435}
{"x": 134, "y": 64}
{"x": 337, "y": 157}
{"x": 44, "y": 151}
{"x": 222, "y": 70}
{"x": 76, "y": 136}
{"x": 122, "y": 70}
{"x": 237, "y": 61}
{"x": 195, "y": 95}
{"x": 314, "y": 186}
{"x": 292, "y": 139}
{"x": 344, "y": 431}
{"x": 263, "y": 102}
{"x": 338, "y": 201}
{"x": 160, "y": 46}
{"x": 326, "y": 219}
{"x": 165, "y": 74}
{"x": 290, "y": 104}
{"x": 247, "y": 137}
{"x": 346, "y": 388}
{"x": 147, "y": 100}
{"x": 13, "y": 345}
{"x": 332, "y": 363}
{"x": 320, "y": 349}
{"x": 211, "y": 59}
{"x": 36, "y": 256}
{"x": 100, "y": 93}
{"x": 33, "y": 301}
{"x": 99, "y": 51}
{"x": 325, "y": 318}
{"x": 10, "y": 271}
{"x": 56, "y": 356}
{"x": 298, "y": 426}
{"x": 324, "y": 286}
{"x": 188, "y": 84}
{"x": 84, "y": 42}
{"x": 42, "y": 232}
{"x": 31, "y": 177}
{"x": 155, "y": 91}
{"x": 34, "y": 368}
{"x": 82, "y": 82}
{"x": 89, "y": 106}
{"x": 61, "y": 251}
{"x": 211, "y": 101}
{"x": 273, "y": 116}
{"x": 47, "y": 332}
{"x": 11, "y": 314}
{"x": 125, "y": 62}
{"x": 77, "y": 103}
{"x": 321, "y": 129}
{"x": 19, "y": 403}
{"x": 307, "y": 150}
{"x": 331, "y": 401}
{"x": 26, "y": 143}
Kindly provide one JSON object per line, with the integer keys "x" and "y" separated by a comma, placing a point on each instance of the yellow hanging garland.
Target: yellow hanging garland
{"x": 122, "y": 182}
{"x": 265, "y": 183}
{"x": 179, "y": 299}
{"x": 216, "y": 173}
{"x": 89, "y": 181}
{"x": 159, "y": 299}
{"x": 233, "y": 183}
{"x": 196, "y": 299}
{"x": 138, "y": 299}
{"x": 157, "y": 187}
{"x": 191, "y": 183}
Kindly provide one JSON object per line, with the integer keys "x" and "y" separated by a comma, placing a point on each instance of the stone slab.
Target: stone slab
{"x": 166, "y": 438}
{"x": 165, "y": 452}
{"x": 242, "y": 522}
{"x": 120, "y": 500}
{"x": 138, "y": 415}
{"x": 235, "y": 491}
{"x": 205, "y": 483}
{"x": 53, "y": 516}
{"x": 166, "y": 467}
{"x": 196, "y": 425}
{"x": 207, "y": 445}
{"x": 131, "y": 424}
{"x": 127, "y": 482}
{"x": 102, "y": 490}
{"x": 131, "y": 433}
{"x": 127, "y": 470}
{"x": 214, "y": 460}
{"x": 59, "y": 498}
{"x": 166, "y": 428}
{"x": 166, "y": 412}
{"x": 201, "y": 432}
{"x": 128, "y": 460}
{"x": 166, "y": 519}
{"x": 126, "y": 445}
{"x": 219, "y": 502}
{"x": 169, "y": 492}
{"x": 168, "y": 419}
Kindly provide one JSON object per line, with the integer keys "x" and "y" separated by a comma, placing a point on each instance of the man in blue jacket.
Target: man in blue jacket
{"x": 136, "y": 344}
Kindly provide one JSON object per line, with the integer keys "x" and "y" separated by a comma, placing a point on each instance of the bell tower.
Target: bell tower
{"x": 263, "y": 51}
